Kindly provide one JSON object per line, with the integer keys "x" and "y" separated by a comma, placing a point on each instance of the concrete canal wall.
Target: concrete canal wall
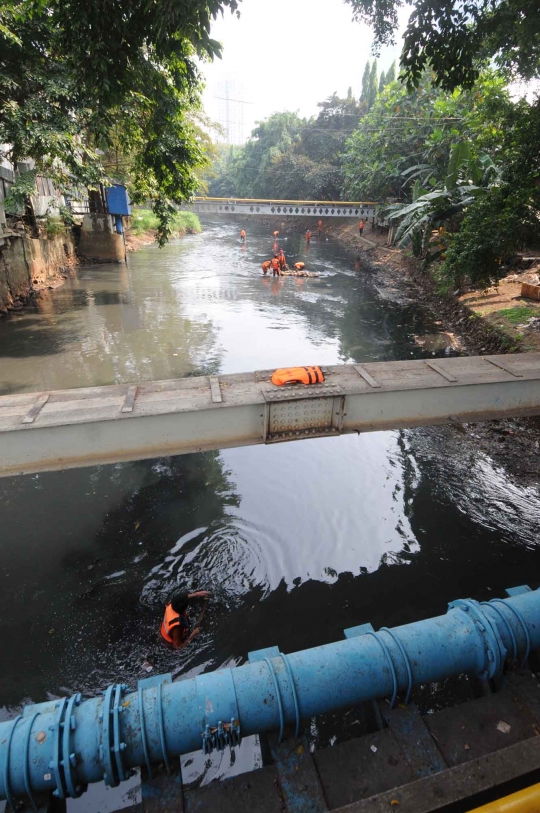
{"x": 28, "y": 264}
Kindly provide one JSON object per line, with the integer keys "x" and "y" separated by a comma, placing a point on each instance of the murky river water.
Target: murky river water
{"x": 297, "y": 541}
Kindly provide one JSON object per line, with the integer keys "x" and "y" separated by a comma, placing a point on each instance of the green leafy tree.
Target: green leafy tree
{"x": 373, "y": 85}
{"x": 270, "y": 139}
{"x": 505, "y": 219}
{"x": 291, "y": 158}
{"x": 409, "y": 136}
{"x": 391, "y": 74}
{"x": 453, "y": 37}
{"x": 297, "y": 177}
{"x": 76, "y": 77}
{"x": 382, "y": 82}
{"x": 365, "y": 83}
{"x": 324, "y": 138}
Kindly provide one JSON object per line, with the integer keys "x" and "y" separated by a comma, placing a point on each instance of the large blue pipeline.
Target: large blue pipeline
{"x": 63, "y": 745}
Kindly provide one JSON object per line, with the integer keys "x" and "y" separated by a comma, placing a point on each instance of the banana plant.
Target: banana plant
{"x": 467, "y": 177}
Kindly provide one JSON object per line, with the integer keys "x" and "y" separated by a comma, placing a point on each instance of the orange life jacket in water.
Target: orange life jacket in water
{"x": 298, "y": 375}
{"x": 275, "y": 263}
{"x": 242, "y": 233}
{"x": 276, "y": 233}
{"x": 299, "y": 266}
{"x": 171, "y": 620}
{"x": 266, "y": 265}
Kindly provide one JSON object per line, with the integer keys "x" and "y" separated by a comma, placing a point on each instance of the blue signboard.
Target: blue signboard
{"x": 117, "y": 200}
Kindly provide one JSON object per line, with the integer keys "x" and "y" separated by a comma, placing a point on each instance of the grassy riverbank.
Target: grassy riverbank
{"x": 143, "y": 224}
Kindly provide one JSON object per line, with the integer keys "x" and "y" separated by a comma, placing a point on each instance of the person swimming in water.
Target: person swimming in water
{"x": 175, "y": 627}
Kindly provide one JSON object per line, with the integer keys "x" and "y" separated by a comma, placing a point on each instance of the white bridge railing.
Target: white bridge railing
{"x": 282, "y": 208}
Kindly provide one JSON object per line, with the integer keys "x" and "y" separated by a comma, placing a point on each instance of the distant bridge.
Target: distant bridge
{"x": 282, "y": 208}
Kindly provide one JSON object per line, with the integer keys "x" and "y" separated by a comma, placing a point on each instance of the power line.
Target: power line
{"x": 228, "y": 99}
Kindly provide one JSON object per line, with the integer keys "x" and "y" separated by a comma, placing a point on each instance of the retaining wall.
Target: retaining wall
{"x": 28, "y": 264}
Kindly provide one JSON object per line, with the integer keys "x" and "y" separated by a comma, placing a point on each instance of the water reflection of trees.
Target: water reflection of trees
{"x": 95, "y": 331}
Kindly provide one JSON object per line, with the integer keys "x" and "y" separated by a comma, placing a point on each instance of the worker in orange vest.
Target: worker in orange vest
{"x": 276, "y": 235}
{"x": 282, "y": 259}
{"x": 242, "y": 236}
{"x": 361, "y": 227}
{"x": 175, "y": 627}
{"x": 319, "y": 225}
{"x": 308, "y": 236}
{"x": 276, "y": 267}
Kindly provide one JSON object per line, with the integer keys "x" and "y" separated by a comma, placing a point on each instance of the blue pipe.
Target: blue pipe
{"x": 63, "y": 745}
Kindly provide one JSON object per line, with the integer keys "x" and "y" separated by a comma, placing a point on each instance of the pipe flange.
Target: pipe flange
{"x": 56, "y": 764}
{"x": 111, "y": 748}
{"x": 69, "y": 759}
{"x": 494, "y": 648}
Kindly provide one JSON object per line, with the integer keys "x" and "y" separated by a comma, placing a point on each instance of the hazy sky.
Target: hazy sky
{"x": 289, "y": 55}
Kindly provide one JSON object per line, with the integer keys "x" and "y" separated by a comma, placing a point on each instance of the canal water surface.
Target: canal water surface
{"x": 296, "y": 541}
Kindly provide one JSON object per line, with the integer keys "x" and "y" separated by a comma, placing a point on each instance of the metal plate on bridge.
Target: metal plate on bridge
{"x": 303, "y": 417}
{"x": 308, "y": 414}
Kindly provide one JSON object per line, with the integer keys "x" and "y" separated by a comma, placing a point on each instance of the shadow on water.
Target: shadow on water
{"x": 297, "y": 541}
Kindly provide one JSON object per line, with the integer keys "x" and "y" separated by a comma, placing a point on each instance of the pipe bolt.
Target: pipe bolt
{"x": 123, "y": 746}
{"x": 73, "y": 760}
{"x": 56, "y": 793}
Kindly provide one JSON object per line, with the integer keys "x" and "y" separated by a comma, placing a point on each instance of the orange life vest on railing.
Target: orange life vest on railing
{"x": 298, "y": 375}
{"x": 171, "y": 620}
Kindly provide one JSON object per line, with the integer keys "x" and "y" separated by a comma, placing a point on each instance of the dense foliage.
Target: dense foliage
{"x": 77, "y": 80}
{"x": 453, "y": 40}
{"x": 289, "y": 157}
{"x": 409, "y": 136}
{"x": 454, "y": 37}
{"x": 506, "y": 216}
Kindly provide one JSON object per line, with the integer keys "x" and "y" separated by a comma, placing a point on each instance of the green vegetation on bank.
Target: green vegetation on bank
{"x": 519, "y": 314}
{"x": 144, "y": 220}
